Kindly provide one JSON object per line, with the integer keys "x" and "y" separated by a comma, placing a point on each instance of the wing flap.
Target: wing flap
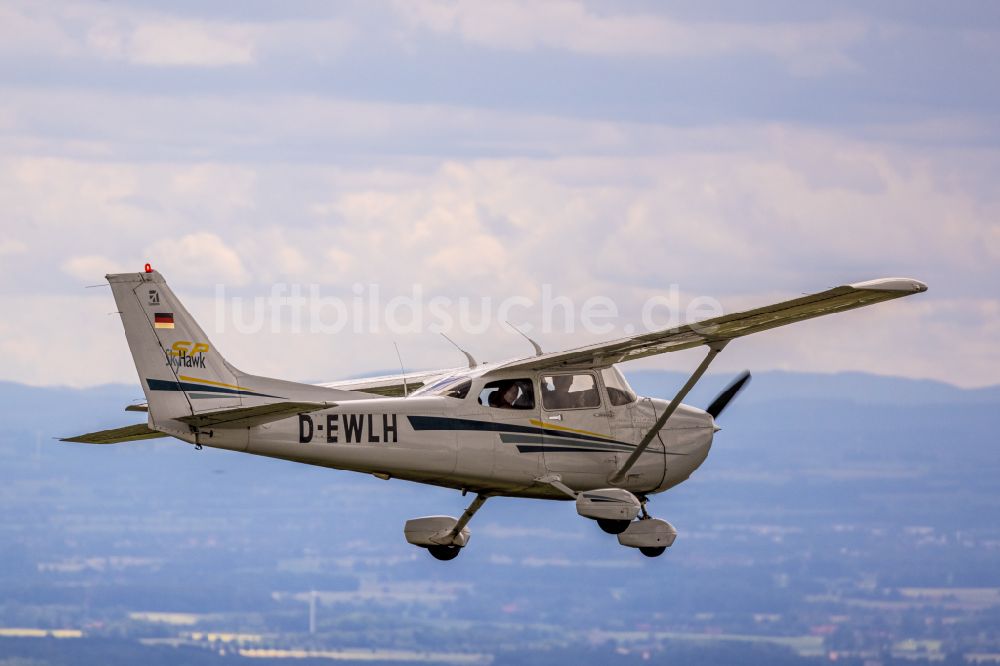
{"x": 248, "y": 417}
{"x": 726, "y": 327}
{"x": 130, "y": 433}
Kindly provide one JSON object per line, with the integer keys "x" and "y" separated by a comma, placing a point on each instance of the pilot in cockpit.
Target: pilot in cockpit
{"x": 515, "y": 394}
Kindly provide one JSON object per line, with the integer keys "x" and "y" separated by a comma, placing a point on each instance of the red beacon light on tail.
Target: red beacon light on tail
{"x": 148, "y": 269}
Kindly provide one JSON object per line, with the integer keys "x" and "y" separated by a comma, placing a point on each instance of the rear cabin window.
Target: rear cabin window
{"x": 508, "y": 394}
{"x": 570, "y": 391}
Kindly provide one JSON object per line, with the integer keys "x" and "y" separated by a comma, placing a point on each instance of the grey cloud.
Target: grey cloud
{"x": 902, "y": 67}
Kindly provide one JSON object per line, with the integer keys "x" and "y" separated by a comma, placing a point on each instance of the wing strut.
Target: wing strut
{"x": 713, "y": 350}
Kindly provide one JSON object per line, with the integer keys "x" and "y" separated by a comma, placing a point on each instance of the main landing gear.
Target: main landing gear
{"x": 615, "y": 510}
{"x": 444, "y": 553}
{"x": 444, "y": 537}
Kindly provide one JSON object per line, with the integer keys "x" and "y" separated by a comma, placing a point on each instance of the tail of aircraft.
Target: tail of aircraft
{"x": 183, "y": 375}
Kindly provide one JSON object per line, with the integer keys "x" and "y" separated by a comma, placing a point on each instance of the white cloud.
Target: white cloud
{"x": 10, "y": 246}
{"x": 26, "y": 28}
{"x": 155, "y": 38}
{"x": 174, "y": 42}
{"x": 254, "y": 188}
{"x": 570, "y": 25}
{"x": 201, "y": 258}
{"x": 92, "y": 267}
{"x": 776, "y": 211}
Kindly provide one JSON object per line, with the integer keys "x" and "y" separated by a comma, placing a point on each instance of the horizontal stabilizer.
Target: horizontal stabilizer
{"x": 117, "y": 435}
{"x": 248, "y": 417}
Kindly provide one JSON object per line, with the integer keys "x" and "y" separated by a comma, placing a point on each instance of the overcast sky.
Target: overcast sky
{"x": 744, "y": 151}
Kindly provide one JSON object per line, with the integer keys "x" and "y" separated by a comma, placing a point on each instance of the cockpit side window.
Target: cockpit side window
{"x": 508, "y": 394}
{"x": 619, "y": 392}
{"x": 570, "y": 391}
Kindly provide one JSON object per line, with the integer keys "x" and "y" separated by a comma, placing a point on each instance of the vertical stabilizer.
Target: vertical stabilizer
{"x": 181, "y": 371}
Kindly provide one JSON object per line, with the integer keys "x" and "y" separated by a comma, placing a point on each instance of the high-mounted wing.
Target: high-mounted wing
{"x": 390, "y": 385}
{"x": 116, "y": 435}
{"x": 724, "y": 328}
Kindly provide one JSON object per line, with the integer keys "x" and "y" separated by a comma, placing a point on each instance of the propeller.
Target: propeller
{"x": 723, "y": 399}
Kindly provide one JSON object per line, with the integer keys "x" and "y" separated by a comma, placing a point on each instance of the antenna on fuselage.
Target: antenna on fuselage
{"x": 402, "y": 370}
{"x": 538, "y": 348}
{"x": 472, "y": 361}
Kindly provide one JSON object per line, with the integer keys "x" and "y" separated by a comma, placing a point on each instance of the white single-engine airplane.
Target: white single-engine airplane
{"x": 562, "y": 425}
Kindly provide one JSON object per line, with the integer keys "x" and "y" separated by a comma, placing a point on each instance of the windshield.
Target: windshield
{"x": 451, "y": 386}
{"x": 619, "y": 392}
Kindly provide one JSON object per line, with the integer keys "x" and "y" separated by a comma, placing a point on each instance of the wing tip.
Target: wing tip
{"x": 907, "y": 285}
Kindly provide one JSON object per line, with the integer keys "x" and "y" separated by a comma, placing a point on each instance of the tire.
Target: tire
{"x": 614, "y": 526}
{"x": 652, "y": 551}
{"x": 444, "y": 553}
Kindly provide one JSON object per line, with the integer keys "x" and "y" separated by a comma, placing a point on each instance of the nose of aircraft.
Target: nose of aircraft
{"x": 709, "y": 435}
{"x": 689, "y": 431}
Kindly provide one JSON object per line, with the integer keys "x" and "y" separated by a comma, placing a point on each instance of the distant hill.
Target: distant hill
{"x": 56, "y": 410}
{"x": 50, "y": 410}
{"x": 797, "y": 448}
{"x": 776, "y": 385}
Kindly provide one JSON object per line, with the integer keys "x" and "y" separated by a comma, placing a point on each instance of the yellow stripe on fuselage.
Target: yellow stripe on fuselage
{"x": 211, "y": 383}
{"x": 553, "y": 426}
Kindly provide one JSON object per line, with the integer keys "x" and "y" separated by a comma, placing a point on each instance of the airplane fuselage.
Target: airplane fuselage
{"x": 464, "y": 445}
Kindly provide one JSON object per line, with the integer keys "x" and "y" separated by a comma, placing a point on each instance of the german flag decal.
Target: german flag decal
{"x": 163, "y": 320}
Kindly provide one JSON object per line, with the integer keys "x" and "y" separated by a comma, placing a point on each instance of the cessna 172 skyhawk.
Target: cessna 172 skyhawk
{"x": 562, "y": 425}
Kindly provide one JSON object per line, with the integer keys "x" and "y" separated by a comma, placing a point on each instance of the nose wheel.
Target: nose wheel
{"x": 615, "y": 511}
{"x": 650, "y": 536}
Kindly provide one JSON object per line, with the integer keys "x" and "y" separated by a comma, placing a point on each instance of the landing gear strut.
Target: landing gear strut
{"x": 615, "y": 511}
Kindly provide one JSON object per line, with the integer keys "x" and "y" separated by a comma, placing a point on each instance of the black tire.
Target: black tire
{"x": 614, "y": 526}
{"x": 444, "y": 553}
{"x": 652, "y": 551}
